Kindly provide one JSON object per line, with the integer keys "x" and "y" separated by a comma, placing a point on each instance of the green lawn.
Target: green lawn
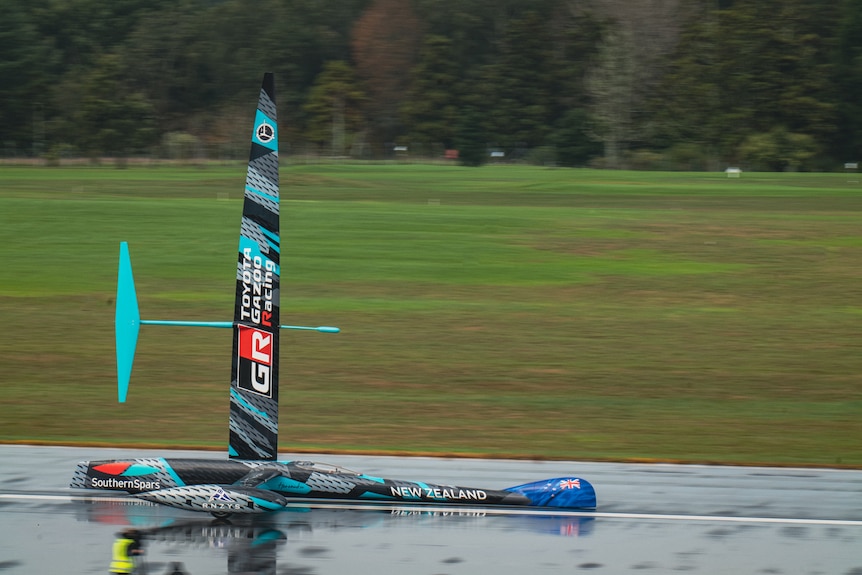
{"x": 501, "y": 311}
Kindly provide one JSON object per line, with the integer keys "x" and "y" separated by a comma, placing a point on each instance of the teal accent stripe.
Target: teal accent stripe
{"x": 137, "y": 469}
{"x": 171, "y": 472}
{"x": 247, "y": 405}
{"x": 260, "y": 193}
{"x": 370, "y": 495}
{"x": 266, "y": 504}
{"x": 272, "y": 239}
{"x": 371, "y": 478}
{"x": 272, "y": 235}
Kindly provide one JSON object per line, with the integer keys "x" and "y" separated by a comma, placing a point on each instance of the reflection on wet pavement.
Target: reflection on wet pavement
{"x": 716, "y": 520}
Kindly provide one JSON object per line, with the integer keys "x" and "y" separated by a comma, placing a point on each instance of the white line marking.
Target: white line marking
{"x": 730, "y": 519}
{"x": 546, "y": 512}
{"x": 541, "y": 512}
{"x": 66, "y": 498}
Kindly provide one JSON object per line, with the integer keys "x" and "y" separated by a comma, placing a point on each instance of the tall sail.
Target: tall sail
{"x": 254, "y": 378}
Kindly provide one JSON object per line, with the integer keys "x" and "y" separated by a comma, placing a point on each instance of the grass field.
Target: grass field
{"x": 501, "y": 311}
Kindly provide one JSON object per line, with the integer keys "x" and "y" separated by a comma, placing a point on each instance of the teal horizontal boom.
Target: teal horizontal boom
{"x": 227, "y": 324}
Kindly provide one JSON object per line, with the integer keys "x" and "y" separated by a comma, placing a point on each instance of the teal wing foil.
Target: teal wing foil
{"x": 127, "y": 322}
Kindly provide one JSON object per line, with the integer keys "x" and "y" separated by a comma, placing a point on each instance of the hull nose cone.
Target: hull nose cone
{"x": 561, "y": 492}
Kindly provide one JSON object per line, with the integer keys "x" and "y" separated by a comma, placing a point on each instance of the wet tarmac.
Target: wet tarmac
{"x": 650, "y": 519}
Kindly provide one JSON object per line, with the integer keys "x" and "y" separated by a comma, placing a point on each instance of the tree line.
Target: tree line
{"x": 671, "y": 84}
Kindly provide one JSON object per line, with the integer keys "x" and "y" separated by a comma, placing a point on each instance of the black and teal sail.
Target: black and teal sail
{"x": 254, "y": 374}
{"x": 254, "y": 365}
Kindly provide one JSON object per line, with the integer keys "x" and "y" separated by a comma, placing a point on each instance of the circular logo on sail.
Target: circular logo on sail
{"x": 265, "y": 132}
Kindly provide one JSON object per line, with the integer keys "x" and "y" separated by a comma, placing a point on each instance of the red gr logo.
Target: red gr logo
{"x": 255, "y": 360}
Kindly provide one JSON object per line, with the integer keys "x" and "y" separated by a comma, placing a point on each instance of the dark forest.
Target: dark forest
{"x": 657, "y": 84}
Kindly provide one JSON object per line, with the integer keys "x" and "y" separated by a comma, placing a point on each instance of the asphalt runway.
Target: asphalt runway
{"x": 650, "y": 519}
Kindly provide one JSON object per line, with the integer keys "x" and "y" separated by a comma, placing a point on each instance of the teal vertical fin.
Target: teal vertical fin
{"x": 126, "y": 322}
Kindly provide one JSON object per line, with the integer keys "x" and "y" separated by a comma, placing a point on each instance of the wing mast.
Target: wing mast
{"x": 254, "y": 369}
{"x": 254, "y": 373}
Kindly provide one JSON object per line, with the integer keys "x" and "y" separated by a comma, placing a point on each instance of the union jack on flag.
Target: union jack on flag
{"x": 570, "y": 483}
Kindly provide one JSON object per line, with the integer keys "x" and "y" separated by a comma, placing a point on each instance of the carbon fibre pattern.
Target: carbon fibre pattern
{"x": 267, "y": 104}
{"x": 257, "y": 179}
{"x": 254, "y": 232}
{"x": 255, "y": 438}
{"x": 191, "y": 498}
{"x": 196, "y": 471}
{"x": 79, "y": 477}
{"x": 254, "y": 373}
{"x": 330, "y": 483}
{"x": 213, "y": 498}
